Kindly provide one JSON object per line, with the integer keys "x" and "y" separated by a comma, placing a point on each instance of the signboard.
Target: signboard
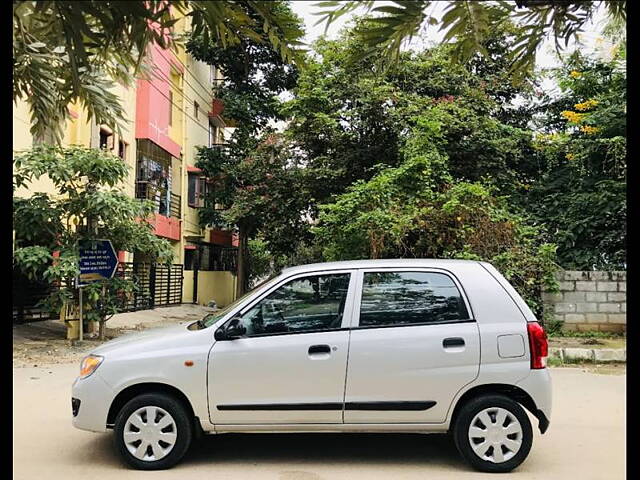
{"x": 98, "y": 261}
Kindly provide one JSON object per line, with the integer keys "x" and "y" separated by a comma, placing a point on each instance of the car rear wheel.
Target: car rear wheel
{"x": 493, "y": 433}
{"x": 152, "y": 431}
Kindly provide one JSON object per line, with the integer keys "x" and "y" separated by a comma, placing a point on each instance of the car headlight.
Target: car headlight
{"x": 89, "y": 365}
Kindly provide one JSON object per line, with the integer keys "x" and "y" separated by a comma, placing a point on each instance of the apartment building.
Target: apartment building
{"x": 171, "y": 113}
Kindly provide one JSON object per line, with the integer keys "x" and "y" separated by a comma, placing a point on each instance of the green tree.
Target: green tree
{"x": 467, "y": 24}
{"x": 254, "y": 164}
{"x": 87, "y": 204}
{"x": 262, "y": 193}
{"x": 350, "y": 120}
{"x": 581, "y": 192}
{"x": 67, "y": 51}
{"x": 417, "y": 210}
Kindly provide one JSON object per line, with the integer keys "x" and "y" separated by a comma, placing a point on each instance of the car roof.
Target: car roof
{"x": 382, "y": 263}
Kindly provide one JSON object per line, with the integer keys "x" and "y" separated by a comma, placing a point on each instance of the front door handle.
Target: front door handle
{"x": 315, "y": 349}
{"x": 453, "y": 342}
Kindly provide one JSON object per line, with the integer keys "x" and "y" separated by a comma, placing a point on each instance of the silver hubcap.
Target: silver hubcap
{"x": 495, "y": 434}
{"x": 150, "y": 433}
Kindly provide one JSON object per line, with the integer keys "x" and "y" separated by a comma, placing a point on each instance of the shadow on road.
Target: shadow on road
{"x": 320, "y": 448}
{"x": 334, "y": 448}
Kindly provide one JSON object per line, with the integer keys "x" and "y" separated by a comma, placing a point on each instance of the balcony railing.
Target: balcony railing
{"x": 149, "y": 191}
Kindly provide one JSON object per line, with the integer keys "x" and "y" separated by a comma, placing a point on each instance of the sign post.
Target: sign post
{"x": 98, "y": 261}
{"x": 81, "y": 326}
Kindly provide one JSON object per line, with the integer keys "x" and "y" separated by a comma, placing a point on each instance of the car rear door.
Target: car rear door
{"x": 414, "y": 344}
{"x": 290, "y": 367}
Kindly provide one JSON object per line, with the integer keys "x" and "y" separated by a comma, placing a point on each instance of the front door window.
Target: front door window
{"x": 309, "y": 304}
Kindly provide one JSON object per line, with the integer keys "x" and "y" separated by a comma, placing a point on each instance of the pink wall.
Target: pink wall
{"x": 152, "y": 100}
{"x": 166, "y": 227}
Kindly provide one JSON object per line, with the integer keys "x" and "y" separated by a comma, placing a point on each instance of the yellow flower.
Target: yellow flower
{"x": 570, "y": 156}
{"x": 573, "y": 117}
{"x": 575, "y": 74}
{"x": 588, "y": 105}
{"x": 589, "y": 130}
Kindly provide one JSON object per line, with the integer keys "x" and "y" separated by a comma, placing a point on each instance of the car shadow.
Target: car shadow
{"x": 334, "y": 448}
{"x": 322, "y": 448}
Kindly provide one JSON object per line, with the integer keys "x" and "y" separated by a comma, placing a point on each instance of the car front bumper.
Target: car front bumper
{"x": 91, "y": 401}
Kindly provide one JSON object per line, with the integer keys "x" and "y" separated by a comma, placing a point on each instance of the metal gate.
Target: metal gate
{"x": 27, "y": 295}
{"x": 159, "y": 285}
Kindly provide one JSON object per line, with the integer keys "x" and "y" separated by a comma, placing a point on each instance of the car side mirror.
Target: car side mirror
{"x": 232, "y": 330}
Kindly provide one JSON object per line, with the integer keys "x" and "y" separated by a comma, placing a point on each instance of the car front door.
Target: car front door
{"x": 290, "y": 365}
{"x": 414, "y": 345}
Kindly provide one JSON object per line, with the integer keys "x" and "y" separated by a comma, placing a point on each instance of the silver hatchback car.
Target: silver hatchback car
{"x": 416, "y": 345}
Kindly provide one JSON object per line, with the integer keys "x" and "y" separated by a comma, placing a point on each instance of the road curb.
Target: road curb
{"x": 595, "y": 355}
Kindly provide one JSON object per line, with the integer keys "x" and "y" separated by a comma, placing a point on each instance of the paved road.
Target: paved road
{"x": 586, "y": 441}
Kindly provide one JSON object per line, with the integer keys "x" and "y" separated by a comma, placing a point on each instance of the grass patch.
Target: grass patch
{"x": 594, "y": 334}
{"x": 556, "y": 362}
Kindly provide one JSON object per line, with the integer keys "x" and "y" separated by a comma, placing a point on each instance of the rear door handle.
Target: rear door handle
{"x": 315, "y": 349}
{"x": 453, "y": 342}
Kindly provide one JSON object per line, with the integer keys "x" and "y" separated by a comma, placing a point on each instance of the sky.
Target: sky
{"x": 545, "y": 57}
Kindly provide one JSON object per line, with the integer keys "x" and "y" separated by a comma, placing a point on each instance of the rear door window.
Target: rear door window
{"x": 410, "y": 298}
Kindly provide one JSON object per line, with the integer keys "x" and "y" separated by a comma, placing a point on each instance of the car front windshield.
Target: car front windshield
{"x": 218, "y": 314}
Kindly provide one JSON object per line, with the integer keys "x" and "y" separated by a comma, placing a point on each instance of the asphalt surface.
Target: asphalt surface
{"x": 581, "y": 443}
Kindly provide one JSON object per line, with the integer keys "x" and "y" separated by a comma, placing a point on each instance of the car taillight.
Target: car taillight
{"x": 538, "y": 345}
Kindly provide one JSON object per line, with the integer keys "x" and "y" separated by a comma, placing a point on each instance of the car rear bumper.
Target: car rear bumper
{"x": 538, "y": 385}
{"x": 543, "y": 421}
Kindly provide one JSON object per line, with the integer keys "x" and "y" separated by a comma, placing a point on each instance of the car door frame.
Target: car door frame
{"x": 354, "y": 326}
{"x": 251, "y": 303}
{"x": 357, "y": 301}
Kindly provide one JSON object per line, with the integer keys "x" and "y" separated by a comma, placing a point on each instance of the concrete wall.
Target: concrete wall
{"x": 187, "y": 286}
{"x": 218, "y": 286}
{"x": 590, "y": 301}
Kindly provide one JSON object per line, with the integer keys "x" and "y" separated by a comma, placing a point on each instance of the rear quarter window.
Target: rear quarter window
{"x": 408, "y": 298}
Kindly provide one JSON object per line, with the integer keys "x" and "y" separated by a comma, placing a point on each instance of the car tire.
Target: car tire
{"x": 493, "y": 433}
{"x": 157, "y": 444}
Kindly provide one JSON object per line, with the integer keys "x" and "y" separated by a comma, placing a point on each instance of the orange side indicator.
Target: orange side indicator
{"x": 188, "y": 363}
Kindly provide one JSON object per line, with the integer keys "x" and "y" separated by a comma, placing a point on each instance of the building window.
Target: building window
{"x": 215, "y": 258}
{"x": 153, "y": 176}
{"x": 122, "y": 149}
{"x": 189, "y": 258}
{"x": 106, "y": 140}
{"x": 196, "y": 190}
{"x": 213, "y": 134}
{"x": 170, "y": 107}
{"x": 196, "y": 109}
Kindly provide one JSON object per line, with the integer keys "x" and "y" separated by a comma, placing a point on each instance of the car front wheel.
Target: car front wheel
{"x": 152, "y": 431}
{"x": 493, "y": 433}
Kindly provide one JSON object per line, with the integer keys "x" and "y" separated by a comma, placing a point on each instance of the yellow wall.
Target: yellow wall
{"x": 175, "y": 129}
{"x": 197, "y": 87}
{"x": 21, "y": 136}
{"x": 218, "y": 286}
{"x": 193, "y": 84}
{"x": 187, "y": 286}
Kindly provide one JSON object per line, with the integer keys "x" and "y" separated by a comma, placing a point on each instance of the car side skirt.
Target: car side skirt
{"x": 333, "y": 428}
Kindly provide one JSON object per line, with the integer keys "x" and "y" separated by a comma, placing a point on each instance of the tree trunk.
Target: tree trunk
{"x": 102, "y": 329}
{"x": 242, "y": 285}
